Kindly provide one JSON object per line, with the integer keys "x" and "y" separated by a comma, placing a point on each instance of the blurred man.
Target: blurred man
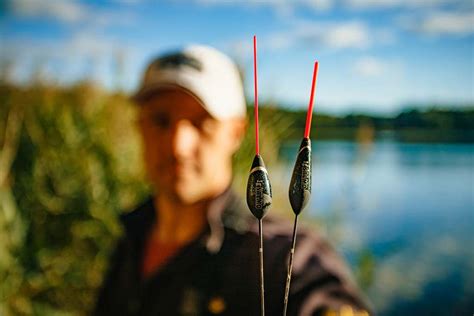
{"x": 192, "y": 248}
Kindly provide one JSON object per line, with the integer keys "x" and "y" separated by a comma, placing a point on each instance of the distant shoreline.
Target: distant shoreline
{"x": 412, "y": 126}
{"x": 408, "y": 135}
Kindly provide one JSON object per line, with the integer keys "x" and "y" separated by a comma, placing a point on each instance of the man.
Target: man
{"x": 192, "y": 248}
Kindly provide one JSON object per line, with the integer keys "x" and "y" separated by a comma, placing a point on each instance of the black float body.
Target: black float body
{"x": 300, "y": 185}
{"x": 259, "y": 190}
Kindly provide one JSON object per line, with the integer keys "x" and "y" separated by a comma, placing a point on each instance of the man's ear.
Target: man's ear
{"x": 239, "y": 127}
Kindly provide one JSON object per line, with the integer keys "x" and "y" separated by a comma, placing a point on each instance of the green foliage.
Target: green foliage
{"x": 431, "y": 125}
{"x": 365, "y": 269}
{"x": 72, "y": 166}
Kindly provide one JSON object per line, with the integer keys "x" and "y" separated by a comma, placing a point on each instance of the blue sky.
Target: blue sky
{"x": 375, "y": 55}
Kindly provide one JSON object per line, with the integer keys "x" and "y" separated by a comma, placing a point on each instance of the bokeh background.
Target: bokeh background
{"x": 393, "y": 133}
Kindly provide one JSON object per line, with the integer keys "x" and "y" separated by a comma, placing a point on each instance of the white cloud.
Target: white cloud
{"x": 323, "y": 36}
{"x": 318, "y": 5}
{"x": 383, "y": 4}
{"x": 83, "y": 44}
{"x": 83, "y": 55}
{"x": 439, "y": 23}
{"x": 129, "y": 2}
{"x": 461, "y": 23}
{"x": 338, "y": 35}
{"x": 66, "y": 11}
{"x": 89, "y": 44}
{"x": 281, "y": 6}
{"x": 280, "y": 41}
{"x": 71, "y": 12}
{"x": 370, "y": 67}
{"x": 347, "y": 35}
{"x": 324, "y": 5}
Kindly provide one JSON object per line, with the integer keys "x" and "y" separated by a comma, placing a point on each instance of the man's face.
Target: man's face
{"x": 187, "y": 152}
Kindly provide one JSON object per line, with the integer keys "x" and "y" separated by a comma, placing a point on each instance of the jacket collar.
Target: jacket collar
{"x": 225, "y": 211}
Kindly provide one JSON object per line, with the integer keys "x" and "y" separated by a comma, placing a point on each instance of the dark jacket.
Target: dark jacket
{"x": 218, "y": 273}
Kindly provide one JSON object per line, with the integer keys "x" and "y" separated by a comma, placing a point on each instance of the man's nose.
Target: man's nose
{"x": 184, "y": 138}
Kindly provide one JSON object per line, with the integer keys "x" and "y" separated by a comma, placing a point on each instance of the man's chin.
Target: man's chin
{"x": 184, "y": 196}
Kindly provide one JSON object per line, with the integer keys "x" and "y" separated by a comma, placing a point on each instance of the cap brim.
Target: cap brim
{"x": 146, "y": 93}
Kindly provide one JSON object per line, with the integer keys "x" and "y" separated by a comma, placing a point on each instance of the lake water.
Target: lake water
{"x": 411, "y": 208}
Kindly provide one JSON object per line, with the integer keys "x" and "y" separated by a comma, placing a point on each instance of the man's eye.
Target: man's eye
{"x": 208, "y": 126}
{"x": 161, "y": 121}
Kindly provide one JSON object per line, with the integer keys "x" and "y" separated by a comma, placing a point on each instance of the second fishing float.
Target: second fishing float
{"x": 300, "y": 185}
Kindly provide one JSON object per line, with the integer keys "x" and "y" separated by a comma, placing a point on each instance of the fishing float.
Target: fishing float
{"x": 259, "y": 191}
{"x": 300, "y": 184}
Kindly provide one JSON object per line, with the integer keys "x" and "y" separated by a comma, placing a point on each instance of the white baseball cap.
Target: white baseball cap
{"x": 204, "y": 72}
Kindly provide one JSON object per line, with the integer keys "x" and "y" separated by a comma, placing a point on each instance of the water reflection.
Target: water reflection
{"x": 411, "y": 206}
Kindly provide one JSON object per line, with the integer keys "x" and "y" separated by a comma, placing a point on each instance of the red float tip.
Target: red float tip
{"x": 309, "y": 115}
{"x": 257, "y": 149}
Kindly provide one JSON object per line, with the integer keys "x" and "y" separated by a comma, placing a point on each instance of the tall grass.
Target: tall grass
{"x": 69, "y": 164}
